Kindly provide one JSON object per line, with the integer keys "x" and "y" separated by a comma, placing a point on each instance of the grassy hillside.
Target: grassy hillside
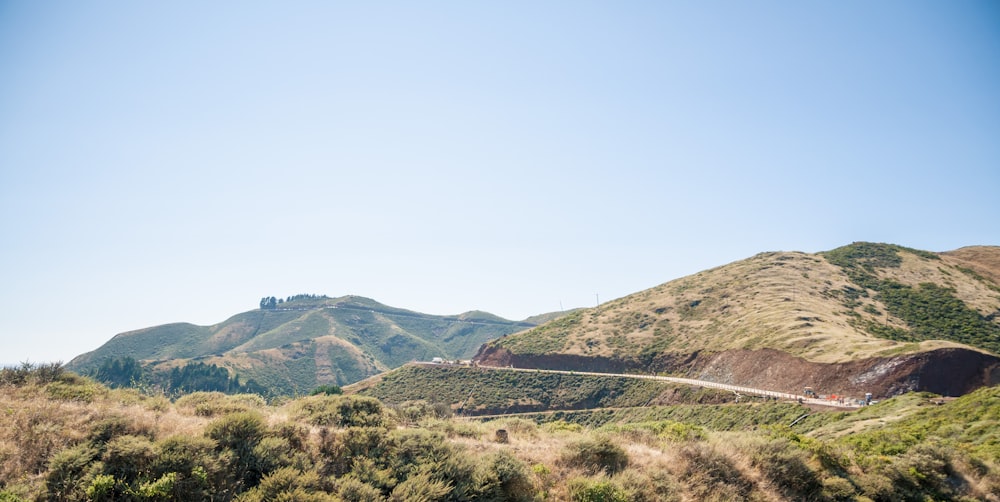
{"x": 68, "y": 438}
{"x": 292, "y": 346}
{"x": 859, "y": 301}
{"x": 472, "y": 391}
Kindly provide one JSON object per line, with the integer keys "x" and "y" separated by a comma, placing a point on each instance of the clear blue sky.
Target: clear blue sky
{"x": 177, "y": 161}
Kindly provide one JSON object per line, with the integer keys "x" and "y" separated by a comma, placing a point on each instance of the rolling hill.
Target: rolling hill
{"x": 865, "y": 317}
{"x": 292, "y": 346}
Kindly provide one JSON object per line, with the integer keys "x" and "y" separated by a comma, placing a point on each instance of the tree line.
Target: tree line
{"x": 271, "y": 302}
{"x": 192, "y": 377}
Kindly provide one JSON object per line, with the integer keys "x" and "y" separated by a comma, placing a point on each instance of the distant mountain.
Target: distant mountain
{"x": 865, "y": 317}
{"x": 290, "y": 347}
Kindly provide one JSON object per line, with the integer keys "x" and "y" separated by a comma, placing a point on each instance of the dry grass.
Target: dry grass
{"x": 761, "y": 465}
{"x": 789, "y": 301}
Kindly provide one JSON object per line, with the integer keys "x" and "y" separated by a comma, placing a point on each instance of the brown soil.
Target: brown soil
{"x": 947, "y": 371}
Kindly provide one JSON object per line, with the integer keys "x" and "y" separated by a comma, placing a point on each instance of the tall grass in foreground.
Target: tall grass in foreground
{"x": 64, "y": 437}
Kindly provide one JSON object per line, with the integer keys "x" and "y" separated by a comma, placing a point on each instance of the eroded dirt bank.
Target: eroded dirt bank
{"x": 949, "y": 372}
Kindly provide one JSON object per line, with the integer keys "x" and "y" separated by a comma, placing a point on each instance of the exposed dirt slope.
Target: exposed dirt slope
{"x": 949, "y": 372}
{"x": 784, "y": 320}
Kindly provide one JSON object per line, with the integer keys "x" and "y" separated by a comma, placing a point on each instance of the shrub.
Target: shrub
{"x": 114, "y": 426}
{"x": 341, "y": 411}
{"x": 7, "y": 496}
{"x": 16, "y": 375}
{"x": 338, "y": 450}
{"x": 710, "y": 474}
{"x": 192, "y": 462}
{"x": 649, "y": 485}
{"x": 129, "y": 457}
{"x": 502, "y": 476}
{"x": 83, "y": 391}
{"x": 102, "y": 488}
{"x": 240, "y": 433}
{"x": 274, "y": 452}
{"x": 288, "y": 484}
{"x": 837, "y": 488}
{"x": 925, "y": 469}
{"x": 354, "y": 490}
{"x": 419, "y": 488}
{"x": 785, "y": 466}
{"x": 41, "y": 374}
{"x": 161, "y": 489}
{"x": 595, "y": 455}
{"x": 182, "y": 454}
{"x": 67, "y": 470}
{"x": 412, "y": 412}
{"x": 296, "y": 435}
{"x": 601, "y": 490}
{"x": 327, "y": 390}
{"x": 413, "y": 450}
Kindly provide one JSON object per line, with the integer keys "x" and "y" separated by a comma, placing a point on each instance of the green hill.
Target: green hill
{"x": 290, "y": 347}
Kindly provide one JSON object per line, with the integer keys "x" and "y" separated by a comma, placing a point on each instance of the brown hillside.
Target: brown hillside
{"x": 778, "y": 311}
{"x": 983, "y": 260}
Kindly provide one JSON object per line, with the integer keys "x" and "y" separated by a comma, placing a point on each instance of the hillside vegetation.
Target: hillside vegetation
{"x": 290, "y": 346}
{"x": 470, "y": 391}
{"x": 68, "y": 438}
{"x": 863, "y": 317}
{"x": 858, "y": 301}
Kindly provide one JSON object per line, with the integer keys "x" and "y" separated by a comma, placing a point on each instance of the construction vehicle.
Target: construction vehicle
{"x": 809, "y": 392}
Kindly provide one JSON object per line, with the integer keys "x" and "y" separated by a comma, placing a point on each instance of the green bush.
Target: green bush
{"x": 103, "y": 488}
{"x": 83, "y": 391}
{"x": 501, "y": 476}
{"x": 595, "y": 455}
{"x": 837, "y": 488}
{"x": 7, "y": 496}
{"x": 239, "y": 434}
{"x": 352, "y": 489}
{"x": 162, "y": 489}
{"x": 419, "y": 488}
{"x": 67, "y": 472}
{"x": 183, "y": 454}
{"x": 337, "y": 451}
{"x": 128, "y": 458}
{"x": 289, "y": 484}
{"x": 328, "y": 390}
{"x": 602, "y": 490}
{"x": 341, "y": 411}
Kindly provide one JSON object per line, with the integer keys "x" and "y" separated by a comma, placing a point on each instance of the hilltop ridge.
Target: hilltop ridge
{"x": 291, "y": 346}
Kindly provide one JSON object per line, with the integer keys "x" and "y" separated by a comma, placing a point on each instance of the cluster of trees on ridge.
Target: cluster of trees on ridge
{"x": 270, "y": 302}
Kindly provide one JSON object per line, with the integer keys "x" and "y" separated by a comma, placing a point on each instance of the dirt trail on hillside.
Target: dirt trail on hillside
{"x": 949, "y": 372}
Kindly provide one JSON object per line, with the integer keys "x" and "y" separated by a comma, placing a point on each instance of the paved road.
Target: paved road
{"x": 848, "y": 403}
